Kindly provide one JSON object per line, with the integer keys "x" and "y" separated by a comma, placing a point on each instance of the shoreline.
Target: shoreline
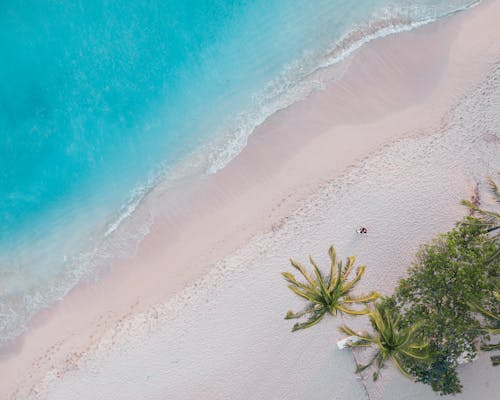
{"x": 214, "y": 155}
{"x": 399, "y": 78}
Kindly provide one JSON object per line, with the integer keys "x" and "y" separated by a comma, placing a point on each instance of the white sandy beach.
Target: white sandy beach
{"x": 409, "y": 126}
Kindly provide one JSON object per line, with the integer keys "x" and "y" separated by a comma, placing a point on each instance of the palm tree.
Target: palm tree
{"x": 327, "y": 294}
{"x": 493, "y": 327}
{"x": 393, "y": 342}
{"x": 488, "y": 218}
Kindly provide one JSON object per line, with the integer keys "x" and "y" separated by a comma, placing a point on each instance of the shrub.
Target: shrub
{"x": 449, "y": 274}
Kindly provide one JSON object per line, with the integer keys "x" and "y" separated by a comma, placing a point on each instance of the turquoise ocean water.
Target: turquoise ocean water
{"x": 99, "y": 101}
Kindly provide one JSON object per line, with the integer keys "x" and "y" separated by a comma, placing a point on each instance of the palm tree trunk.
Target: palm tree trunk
{"x": 357, "y": 364}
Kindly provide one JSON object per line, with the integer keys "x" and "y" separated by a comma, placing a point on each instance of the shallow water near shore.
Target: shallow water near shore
{"x": 224, "y": 337}
{"x": 99, "y": 102}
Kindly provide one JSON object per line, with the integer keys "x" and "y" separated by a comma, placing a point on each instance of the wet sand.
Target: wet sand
{"x": 403, "y": 132}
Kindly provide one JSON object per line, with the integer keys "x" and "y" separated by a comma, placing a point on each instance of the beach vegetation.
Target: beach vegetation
{"x": 327, "y": 293}
{"x": 489, "y": 321}
{"x": 450, "y": 274}
{"x": 489, "y": 219}
{"x": 393, "y": 341}
{"x": 440, "y": 315}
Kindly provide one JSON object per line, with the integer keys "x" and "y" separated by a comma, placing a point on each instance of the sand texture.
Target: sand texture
{"x": 409, "y": 126}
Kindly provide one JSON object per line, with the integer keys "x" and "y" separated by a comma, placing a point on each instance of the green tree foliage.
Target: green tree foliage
{"x": 327, "y": 293}
{"x": 392, "y": 340}
{"x": 448, "y": 304}
{"x": 451, "y": 273}
{"x": 490, "y": 324}
{"x": 488, "y": 218}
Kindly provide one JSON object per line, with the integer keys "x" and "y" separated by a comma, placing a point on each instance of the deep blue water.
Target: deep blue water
{"x": 98, "y": 97}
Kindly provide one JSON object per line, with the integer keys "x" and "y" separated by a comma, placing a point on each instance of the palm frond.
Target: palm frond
{"x": 348, "y": 331}
{"x": 291, "y": 315}
{"x": 313, "y": 320}
{"x": 470, "y": 205}
{"x": 304, "y": 295}
{"x": 319, "y": 278}
{"x": 365, "y": 298}
{"x": 350, "y": 311}
{"x": 291, "y": 279}
{"x": 488, "y": 217}
{"x": 424, "y": 355}
{"x": 361, "y": 367}
{"x": 333, "y": 267}
{"x": 490, "y": 329}
{"x": 490, "y": 347}
{"x": 348, "y": 266}
{"x": 303, "y": 271}
{"x": 359, "y": 274}
{"x": 494, "y": 189}
{"x": 401, "y": 368}
{"x": 485, "y": 312}
{"x": 392, "y": 341}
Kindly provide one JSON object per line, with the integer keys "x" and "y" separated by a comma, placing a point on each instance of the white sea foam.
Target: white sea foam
{"x": 201, "y": 341}
{"x": 131, "y": 224}
{"x": 297, "y": 81}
